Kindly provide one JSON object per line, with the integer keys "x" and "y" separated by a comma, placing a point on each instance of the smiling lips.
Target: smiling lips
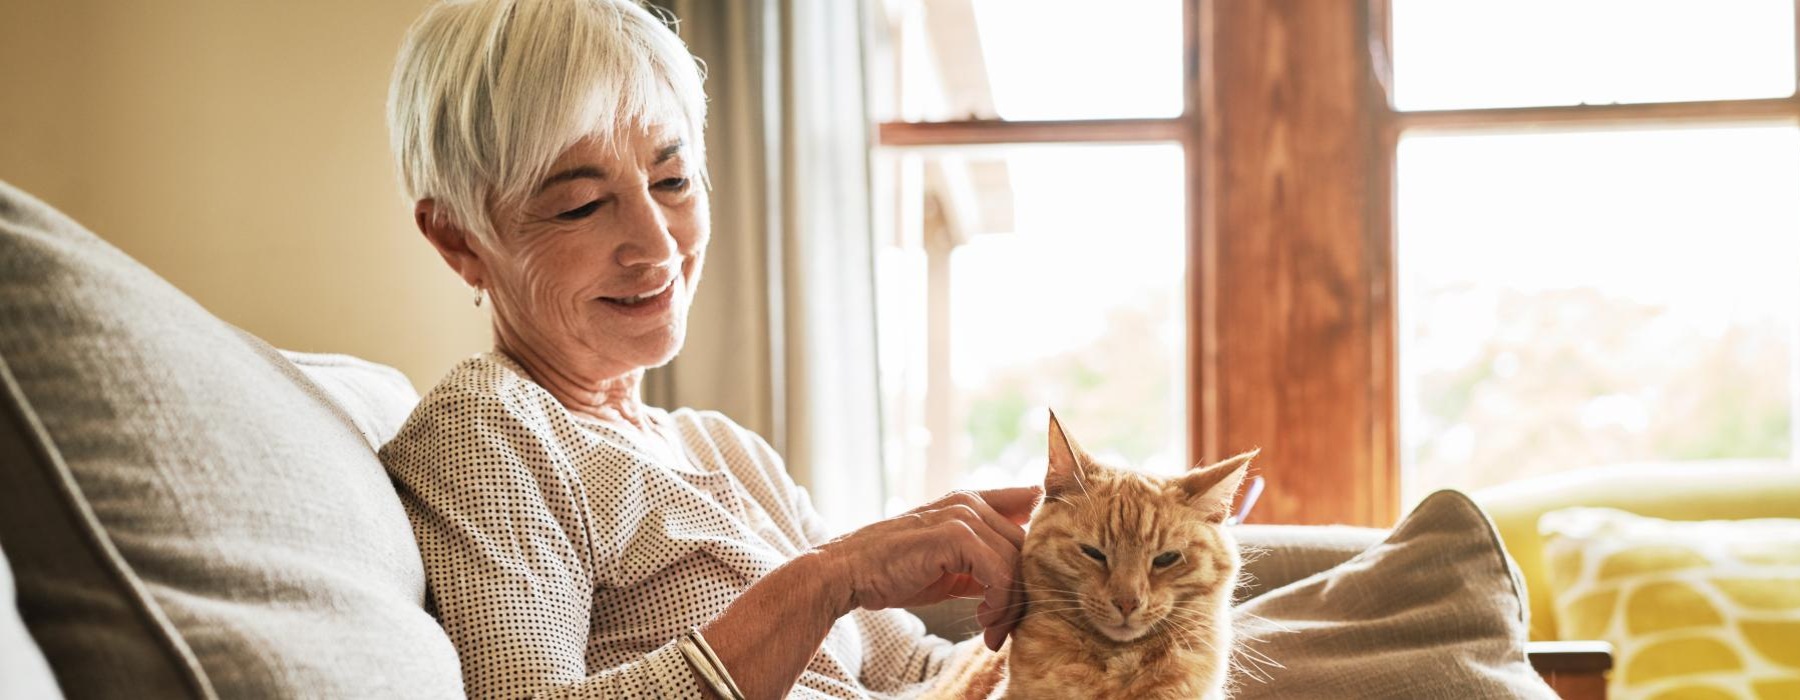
{"x": 645, "y": 304}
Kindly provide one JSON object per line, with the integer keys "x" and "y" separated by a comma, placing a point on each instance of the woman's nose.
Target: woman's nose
{"x": 646, "y": 238}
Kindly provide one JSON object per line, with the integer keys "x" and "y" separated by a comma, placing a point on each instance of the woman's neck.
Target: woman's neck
{"x": 610, "y": 398}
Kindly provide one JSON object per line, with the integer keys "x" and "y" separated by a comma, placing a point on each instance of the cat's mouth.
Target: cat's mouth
{"x": 1123, "y": 631}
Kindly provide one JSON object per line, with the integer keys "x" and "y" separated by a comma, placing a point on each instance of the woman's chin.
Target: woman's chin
{"x": 654, "y": 352}
{"x": 636, "y": 345}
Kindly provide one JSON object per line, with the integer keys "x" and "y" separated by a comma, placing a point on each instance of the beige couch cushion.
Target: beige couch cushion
{"x": 1435, "y": 610}
{"x": 251, "y": 528}
{"x": 375, "y": 398}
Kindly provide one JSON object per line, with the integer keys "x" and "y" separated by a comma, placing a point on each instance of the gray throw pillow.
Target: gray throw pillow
{"x": 191, "y": 515}
{"x": 1435, "y": 610}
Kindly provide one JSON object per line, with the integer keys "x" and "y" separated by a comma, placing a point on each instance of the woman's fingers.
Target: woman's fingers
{"x": 1005, "y": 542}
{"x": 1015, "y": 503}
{"x": 964, "y": 544}
{"x": 981, "y": 554}
{"x": 1000, "y": 511}
{"x": 999, "y": 522}
{"x": 994, "y": 636}
{"x": 994, "y": 569}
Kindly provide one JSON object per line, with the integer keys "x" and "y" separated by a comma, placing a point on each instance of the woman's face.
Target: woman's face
{"x": 594, "y": 272}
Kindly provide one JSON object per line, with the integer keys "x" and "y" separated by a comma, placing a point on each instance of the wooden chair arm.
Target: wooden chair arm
{"x": 1576, "y": 670}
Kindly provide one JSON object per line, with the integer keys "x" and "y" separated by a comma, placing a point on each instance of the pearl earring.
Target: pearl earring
{"x": 479, "y": 295}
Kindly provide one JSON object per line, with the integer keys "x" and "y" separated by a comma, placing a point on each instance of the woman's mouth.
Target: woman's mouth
{"x": 644, "y": 304}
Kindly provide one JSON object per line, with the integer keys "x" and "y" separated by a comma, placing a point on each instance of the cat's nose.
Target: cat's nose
{"x": 1125, "y": 604}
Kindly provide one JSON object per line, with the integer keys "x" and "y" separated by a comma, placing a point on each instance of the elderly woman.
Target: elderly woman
{"x": 579, "y": 542}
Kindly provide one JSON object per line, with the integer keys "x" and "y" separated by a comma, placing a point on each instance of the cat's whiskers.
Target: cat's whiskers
{"x": 1187, "y": 635}
{"x": 1033, "y": 610}
{"x": 1172, "y": 634}
{"x": 1253, "y": 663}
{"x": 1266, "y": 623}
{"x": 1191, "y": 629}
{"x": 1196, "y": 616}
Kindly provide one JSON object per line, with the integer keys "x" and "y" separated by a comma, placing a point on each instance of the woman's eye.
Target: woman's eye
{"x": 580, "y": 212}
{"x": 1166, "y": 559}
{"x": 1093, "y": 554}
{"x": 673, "y": 184}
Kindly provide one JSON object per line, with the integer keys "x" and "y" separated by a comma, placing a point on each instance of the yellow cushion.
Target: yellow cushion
{"x": 1723, "y": 489}
{"x": 1692, "y": 609}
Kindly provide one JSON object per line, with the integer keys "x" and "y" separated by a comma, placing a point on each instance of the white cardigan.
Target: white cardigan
{"x": 564, "y": 559}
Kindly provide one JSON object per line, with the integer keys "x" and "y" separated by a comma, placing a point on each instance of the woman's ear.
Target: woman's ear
{"x": 454, "y": 244}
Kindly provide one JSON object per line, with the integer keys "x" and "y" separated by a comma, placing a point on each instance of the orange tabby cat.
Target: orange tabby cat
{"x": 1128, "y": 581}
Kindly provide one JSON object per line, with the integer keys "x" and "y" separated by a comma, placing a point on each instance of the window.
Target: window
{"x": 1425, "y": 243}
{"x": 1613, "y": 279}
{"x": 1032, "y": 198}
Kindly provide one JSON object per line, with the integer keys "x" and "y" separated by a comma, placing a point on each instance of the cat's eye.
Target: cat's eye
{"x": 1166, "y": 559}
{"x": 1093, "y": 554}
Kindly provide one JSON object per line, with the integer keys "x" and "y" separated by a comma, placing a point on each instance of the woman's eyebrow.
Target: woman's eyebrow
{"x": 588, "y": 171}
{"x": 576, "y": 173}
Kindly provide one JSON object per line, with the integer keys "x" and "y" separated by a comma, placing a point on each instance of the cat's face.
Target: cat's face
{"x": 1127, "y": 554}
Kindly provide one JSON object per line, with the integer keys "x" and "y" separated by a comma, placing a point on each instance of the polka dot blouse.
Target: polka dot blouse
{"x": 564, "y": 558}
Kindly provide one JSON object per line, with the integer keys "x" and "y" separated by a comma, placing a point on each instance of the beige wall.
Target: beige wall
{"x": 237, "y": 148}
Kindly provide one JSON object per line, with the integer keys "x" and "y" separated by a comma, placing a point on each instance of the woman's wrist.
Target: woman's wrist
{"x": 764, "y": 639}
{"x": 819, "y": 577}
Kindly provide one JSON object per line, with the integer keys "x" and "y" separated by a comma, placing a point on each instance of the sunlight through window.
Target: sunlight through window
{"x": 1587, "y": 298}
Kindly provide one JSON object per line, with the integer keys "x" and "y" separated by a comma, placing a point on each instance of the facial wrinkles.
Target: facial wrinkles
{"x": 693, "y": 260}
{"x": 544, "y": 317}
{"x": 549, "y": 272}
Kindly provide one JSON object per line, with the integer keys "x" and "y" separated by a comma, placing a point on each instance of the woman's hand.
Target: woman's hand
{"x": 963, "y": 545}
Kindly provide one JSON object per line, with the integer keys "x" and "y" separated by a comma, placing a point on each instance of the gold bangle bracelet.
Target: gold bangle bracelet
{"x": 707, "y": 666}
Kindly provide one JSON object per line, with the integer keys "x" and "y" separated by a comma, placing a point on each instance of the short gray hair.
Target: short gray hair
{"x": 487, "y": 93}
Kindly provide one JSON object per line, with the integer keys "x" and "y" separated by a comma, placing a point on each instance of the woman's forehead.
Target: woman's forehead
{"x": 643, "y": 144}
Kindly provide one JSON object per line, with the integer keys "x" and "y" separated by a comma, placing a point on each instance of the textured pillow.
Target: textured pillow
{"x": 1277, "y": 555}
{"x": 1435, "y": 610}
{"x": 190, "y": 515}
{"x": 1694, "y": 609}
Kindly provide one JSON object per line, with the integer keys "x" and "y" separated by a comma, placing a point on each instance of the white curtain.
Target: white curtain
{"x": 782, "y": 334}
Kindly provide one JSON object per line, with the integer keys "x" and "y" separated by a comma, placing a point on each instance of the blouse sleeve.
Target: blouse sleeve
{"x": 508, "y": 555}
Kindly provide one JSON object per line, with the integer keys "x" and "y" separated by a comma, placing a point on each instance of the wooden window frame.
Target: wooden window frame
{"x": 1290, "y": 233}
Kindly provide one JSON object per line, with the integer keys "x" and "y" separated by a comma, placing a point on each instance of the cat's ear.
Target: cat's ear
{"x": 1211, "y": 488}
{"x": 1068, "y": 464}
